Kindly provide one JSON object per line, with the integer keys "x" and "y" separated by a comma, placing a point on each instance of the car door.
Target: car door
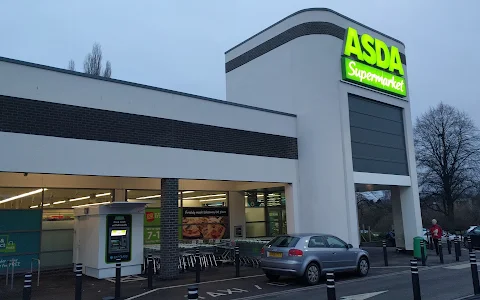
{"x": 317, "y": 247}
{"x": 342, "y": 256}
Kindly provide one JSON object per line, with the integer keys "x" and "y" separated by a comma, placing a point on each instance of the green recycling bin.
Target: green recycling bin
{"x": 417, "y": 249}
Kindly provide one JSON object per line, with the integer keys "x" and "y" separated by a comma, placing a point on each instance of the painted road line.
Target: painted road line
{"x": 258, "y": 288}
{"x": 460, "y": 266}
{"x": 362, "y": 296}
{"x": 303, "y": 289}
{"x": 185, "y": 285}
{"x": 391, "y": 267}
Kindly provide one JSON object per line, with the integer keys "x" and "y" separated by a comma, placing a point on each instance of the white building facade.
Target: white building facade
{"x": 290, "y": 119}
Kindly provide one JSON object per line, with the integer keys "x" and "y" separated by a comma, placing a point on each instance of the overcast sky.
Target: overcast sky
{"x": 180, "y": 44}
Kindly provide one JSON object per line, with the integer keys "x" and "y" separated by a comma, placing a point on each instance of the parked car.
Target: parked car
{"x": 446, "y": 235}
{"x": 474, "y": 233}
{"x": 310, "y": 256}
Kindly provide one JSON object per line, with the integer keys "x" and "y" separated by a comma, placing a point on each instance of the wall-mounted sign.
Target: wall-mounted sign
{"x": 370, "y": 62}
{"x": 205, "y": 223}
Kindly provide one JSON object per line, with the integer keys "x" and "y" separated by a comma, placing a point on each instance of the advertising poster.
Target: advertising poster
{"x": 151, "y": 229}
{"x": 205, "y": 223}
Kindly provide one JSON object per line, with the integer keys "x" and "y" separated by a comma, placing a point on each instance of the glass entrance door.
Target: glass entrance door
{"x": 277, "y": 221}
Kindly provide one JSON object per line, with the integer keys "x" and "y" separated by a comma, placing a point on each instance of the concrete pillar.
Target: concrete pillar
{"x": 236, "y": 212}
{"x": 397, "y": 217}
{"x": 411, "y": 214}
{"x": 291, "y": 203}
{"x": 169, "y": 229}
{"x": 120, "y": 195}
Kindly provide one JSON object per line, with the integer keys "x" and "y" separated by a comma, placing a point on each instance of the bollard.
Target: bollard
{"x": 440, "y": 251}
{"x": 469, "y": 243}
{"x": 457, "y": 249}
{"x": 385, "y": 255}
{"x": 422, "y": 252}
{"x": 415, "y": 280}
{"x": 78, "y": 281}
{"x": 331, "y": 294}
{"x": 449, "y": 245}
{"x": 473, "y": 266}
{"x": 118, "y": 276}
{"x": 150, "y": 271}
{"x": 197, "y": 265}
{"x": 237, "y": 261}
{"x": 27, "y": 287}
{"x": 192, "y": 292}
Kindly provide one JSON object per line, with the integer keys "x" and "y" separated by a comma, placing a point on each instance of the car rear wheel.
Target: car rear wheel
{"x": 363, "y": 266}
{"x": 272, "y": 277}
{"x": 312, "y": 274}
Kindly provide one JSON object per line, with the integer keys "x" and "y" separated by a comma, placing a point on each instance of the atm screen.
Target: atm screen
{"x": 119, "y": 232}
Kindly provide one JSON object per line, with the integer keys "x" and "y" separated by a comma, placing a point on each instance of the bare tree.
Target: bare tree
{"x": 447, "y": 145}
{"x": 108, "y": 70}
{"x": 93, "y": 63}
{"x": 71, "y": 65}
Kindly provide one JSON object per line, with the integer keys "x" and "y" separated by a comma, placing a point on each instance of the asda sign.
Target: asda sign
{"x": 370, "y": 62}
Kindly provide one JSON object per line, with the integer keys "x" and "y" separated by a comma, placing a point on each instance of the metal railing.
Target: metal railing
{"x": 38, "y": 269}
{"x": 12, "y": 264}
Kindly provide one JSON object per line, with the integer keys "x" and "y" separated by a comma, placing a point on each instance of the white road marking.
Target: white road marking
{"x": 362, "y": 296}
{"x": 277, "y": 283}
{"x": 460, "y": 267}
{"x": 258, "y": 288}
{"x": 185, "y": 285}
{"x": 390, "y": 267}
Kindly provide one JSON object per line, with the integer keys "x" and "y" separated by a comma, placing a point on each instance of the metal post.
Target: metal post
{"x": 13, "y": 274}
{"x": 38, "y": 269}
{"x": 150, "y": 271}
{"x": 6, "y": 275}
{"x": 118, "y": 276}
{"x": 78, "y": 281}
{"x": 440, "y": 251}
{"x": 457, "y": 249}
{"x": 415, "y": 280}
{"x": 197, "y": 265}
{"x": 27, "y": 287}
{"x": 192, "y": 292}
{"x": 331, "y": 294}
{"x": 470, "y": 246}
{"x": 460, "y": 241}
{"x": 473, "y": 266}
{"x": 422, "y": 251}
{"x": 385, "y": 255}
{"x": 237, "y": 261}
{"x": 449, "y": 245}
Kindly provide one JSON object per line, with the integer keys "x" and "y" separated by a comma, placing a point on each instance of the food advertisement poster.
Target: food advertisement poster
{"x": 205, "y": 223}
{"x": 151, "y": 229}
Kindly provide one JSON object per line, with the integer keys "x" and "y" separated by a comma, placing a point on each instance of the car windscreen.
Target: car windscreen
{"x": 284, "y": 241}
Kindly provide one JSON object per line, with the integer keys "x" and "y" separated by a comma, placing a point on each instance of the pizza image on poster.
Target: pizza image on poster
{"x": 205, "y": 223}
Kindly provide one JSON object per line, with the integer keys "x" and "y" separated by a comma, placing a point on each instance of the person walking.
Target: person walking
{"x": 436, "y": 233}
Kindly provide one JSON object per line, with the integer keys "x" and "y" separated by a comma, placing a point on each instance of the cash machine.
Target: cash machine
{"x": 106, "y": 233}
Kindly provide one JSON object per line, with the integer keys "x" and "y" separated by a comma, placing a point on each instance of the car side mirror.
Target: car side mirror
{"x": 349, "y": 246}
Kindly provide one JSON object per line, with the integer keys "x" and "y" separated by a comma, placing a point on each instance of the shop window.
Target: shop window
{"x": 21, "y": 198}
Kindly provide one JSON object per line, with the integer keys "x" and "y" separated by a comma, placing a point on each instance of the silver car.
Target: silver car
{"x": 310, "y": 256}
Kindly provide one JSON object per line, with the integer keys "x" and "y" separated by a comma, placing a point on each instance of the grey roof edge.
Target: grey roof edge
{"x": 314, "y": 9}
{"x": 139, "y": 85}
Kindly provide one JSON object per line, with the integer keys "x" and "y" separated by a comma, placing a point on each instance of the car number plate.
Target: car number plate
{"x": 275, "y": 254}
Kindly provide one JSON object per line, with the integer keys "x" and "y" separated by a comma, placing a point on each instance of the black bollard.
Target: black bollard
{"x": 237, "y": 261}
{"x": 415, "y": 280}
{"x": 27, "y": 287}
{"x": 422, "y": 252}
{"x": 457, "y": 249}
{"x": 150, "y": 271}
{"x": 473, "y": 266}
{"x": 78, "y": 281}
{"x": 118, "y": 277}
{"x": 440, "y": 251}
{"x": 385, "y": 255}
{"x": 192, "y": 292}
{"x": 449, "y": 245}
{"x": 197, "y": 265}
{"x": 460, "y": 241}
{"x": 331, "y": 294}
{"x": 469, "y": 243}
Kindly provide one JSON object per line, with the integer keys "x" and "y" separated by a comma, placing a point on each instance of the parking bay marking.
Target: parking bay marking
{"x": 362, "y": 296}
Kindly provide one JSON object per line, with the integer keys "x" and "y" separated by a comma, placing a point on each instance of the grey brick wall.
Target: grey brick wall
{"x": 68, "y": 121}
{"x": 169, "y": 229}
{"x": 300, "y": 30}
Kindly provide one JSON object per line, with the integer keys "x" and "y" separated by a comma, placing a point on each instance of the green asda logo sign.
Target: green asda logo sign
{"x": 375, "y": 64}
